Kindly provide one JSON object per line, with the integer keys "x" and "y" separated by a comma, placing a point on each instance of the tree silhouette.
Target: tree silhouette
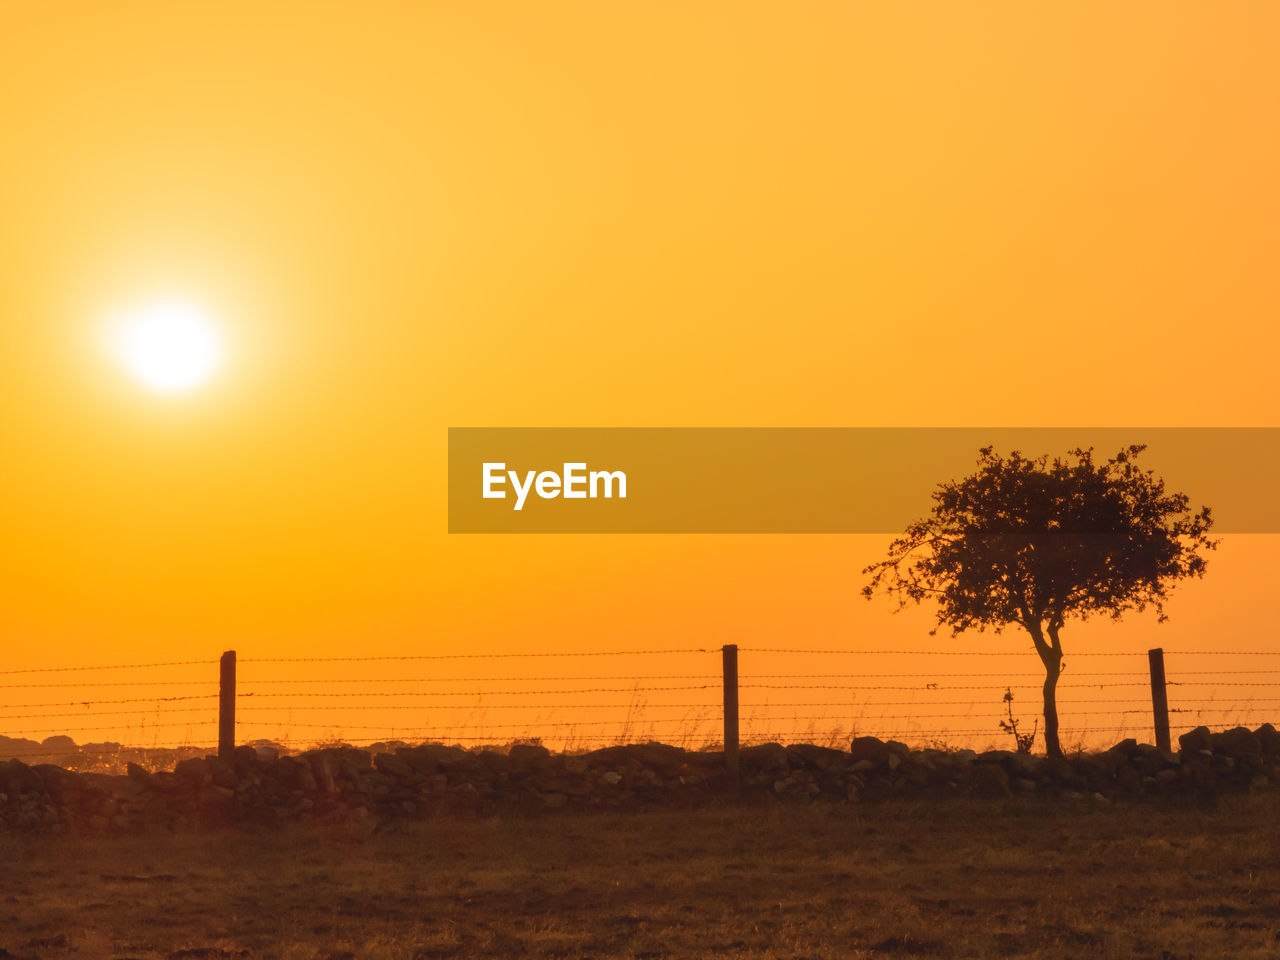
{"x": 1036, "y": 542}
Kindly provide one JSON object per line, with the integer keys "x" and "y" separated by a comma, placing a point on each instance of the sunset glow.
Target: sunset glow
{"x": 168, "y": 347}
{"x": 632, "y": 479}
{"x": 253, "y": 273}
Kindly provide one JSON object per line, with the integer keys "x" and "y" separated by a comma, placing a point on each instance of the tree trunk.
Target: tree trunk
{"x": 1053, "y": 670}
{"x": 1050, "y": 652}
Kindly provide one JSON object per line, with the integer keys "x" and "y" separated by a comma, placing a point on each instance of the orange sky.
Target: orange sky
{"x": 416, "y": 216}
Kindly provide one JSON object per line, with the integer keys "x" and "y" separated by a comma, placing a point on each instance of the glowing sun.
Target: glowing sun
{"x": 169, "y": 347}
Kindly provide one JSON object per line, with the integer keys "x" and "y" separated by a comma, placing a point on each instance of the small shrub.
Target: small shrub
{"x": 1023, "y": 741}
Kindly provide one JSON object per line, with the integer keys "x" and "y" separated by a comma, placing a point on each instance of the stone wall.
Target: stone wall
{"x": 344, "y": 785}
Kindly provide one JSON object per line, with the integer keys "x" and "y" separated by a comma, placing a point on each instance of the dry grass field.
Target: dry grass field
{"x": 956, "y": 879}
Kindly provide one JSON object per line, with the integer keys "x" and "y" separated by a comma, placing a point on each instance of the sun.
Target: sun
{"x": 169, "y": 347}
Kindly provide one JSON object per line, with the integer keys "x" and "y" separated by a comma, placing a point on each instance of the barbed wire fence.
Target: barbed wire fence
{"x": 477, "y": 699}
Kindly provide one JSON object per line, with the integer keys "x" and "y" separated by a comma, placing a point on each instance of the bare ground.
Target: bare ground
{"x": 948, "y": 879}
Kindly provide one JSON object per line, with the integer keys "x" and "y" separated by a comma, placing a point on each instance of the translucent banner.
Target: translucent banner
{"x": 808, "y": 480}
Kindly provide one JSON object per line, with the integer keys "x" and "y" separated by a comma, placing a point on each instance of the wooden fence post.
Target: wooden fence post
{"x": 227, "y": 706}
{"x": 730, "y": 652}
{"x": 1159, "y": 698}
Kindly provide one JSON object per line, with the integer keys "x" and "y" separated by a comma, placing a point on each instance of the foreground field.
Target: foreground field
{"x": 959, "y": 879}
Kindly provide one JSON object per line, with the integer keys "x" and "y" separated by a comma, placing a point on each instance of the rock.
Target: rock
{"x": 1198, "y": 739}
{"x": 244, "y": 759}
{"x": 1269, "y": 738}
{"x": 336, "y": 765}
{"x": 1100, "y": 767}
{"x": 824, "y": 759}
{"x": 1151, "y": 759}
{"x": 1239, "y": 743}
{"x": 764, "y": 758}
{"x": 611, "y": 777}
{"x": 194, "y": 770}
{"x": 451, "y": 758}
{"x": 420, "y": 760}
{"x": 323, "y": 770}
{"x": 1026, "y": 765}
{"x": 224, "y": 774}
{"x": 294, "y": 772}
{"x": 872, "y": 749}
{"x": 392, "y": 765}
{"x": 657, "y": 755}
{"x": 494, "y": 761}
{"x": 55, "y": 780}
{"x": 166, "y": 781}
{"x": 525, "y": 756}
{"x": 1061, "y": 771}
{"x": 609, "y": 757}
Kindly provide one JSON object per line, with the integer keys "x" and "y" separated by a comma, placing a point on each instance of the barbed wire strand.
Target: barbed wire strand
{"x": 88, "y": 703}
{"x": 1012, "y": 653}
{"x": 112, "y": 666}
{"x": 502, "y": 706}
{"x": 115, "y": 713}
{"x": 526, "y": 679}
{"x": 483, "y": 656}
{"x": 1001, "y": 686}
{"x": 111, "y": 683}
{"x": 925, "y": 653}
{"x": 192, "y": 723}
